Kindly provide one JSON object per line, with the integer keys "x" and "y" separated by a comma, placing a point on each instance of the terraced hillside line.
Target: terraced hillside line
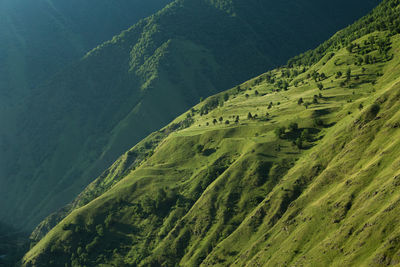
{"x": 298, "y": 166}
{"x": 254, "y": 176}
{"x": 78, "y": 122}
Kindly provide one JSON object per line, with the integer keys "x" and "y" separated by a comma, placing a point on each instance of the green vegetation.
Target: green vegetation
{"x": 38, "y": 40}
{"x": 76, "y": 124}
{"x": 313, "y": 186}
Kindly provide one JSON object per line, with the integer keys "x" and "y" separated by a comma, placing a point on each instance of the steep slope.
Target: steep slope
{"x": 13, "y": 245}
{"x": 40, "y": 38}
{"x": 80, "y": 121}
{"x": 299, "y": 166}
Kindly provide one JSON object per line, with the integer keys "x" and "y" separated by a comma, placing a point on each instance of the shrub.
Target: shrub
{"x": 199, "y": 148}
{"x": 280, "y": 132}
{"x": 293, "y": 126}
{"x": 300, "y": 101}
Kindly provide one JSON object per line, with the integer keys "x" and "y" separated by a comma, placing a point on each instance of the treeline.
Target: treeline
{"x": 386, "y": 17}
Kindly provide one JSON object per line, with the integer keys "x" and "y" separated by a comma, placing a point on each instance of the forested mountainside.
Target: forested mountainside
{"x": 41, "y": 37}
{"x": 77, "y": 123}
{"x": 298, "y": 166}
{"x": 38, "y": 39}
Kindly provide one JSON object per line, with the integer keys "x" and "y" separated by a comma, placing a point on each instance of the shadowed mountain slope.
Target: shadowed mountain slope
{"x": 298, "y": 166}
{"x": 38, "y": 39}
{"x": 80, "y": 121}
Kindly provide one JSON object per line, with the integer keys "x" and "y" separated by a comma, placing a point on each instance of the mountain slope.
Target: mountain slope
{"x": 79, "y": 122}
{"x": 13, "y": 245}
{"x": 299, "y": 166}
{"x": 39, "y": 39}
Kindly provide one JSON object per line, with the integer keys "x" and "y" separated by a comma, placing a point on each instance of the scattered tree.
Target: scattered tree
{"x": 226, "y": 97}
{"x": 305, "y": 135}
{"x": 280, "y": 131}
{"x": 299, "y": 143}
{"x": 348, "y": 74}
{"x": 294, "y": 126}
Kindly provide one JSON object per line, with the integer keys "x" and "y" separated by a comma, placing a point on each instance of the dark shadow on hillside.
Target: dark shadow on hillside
{"x": 209, "y": 151}
{"x": 266, "y": 155}
{"x": 329, "y": 125}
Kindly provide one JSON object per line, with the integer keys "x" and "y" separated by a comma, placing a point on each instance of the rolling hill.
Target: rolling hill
{"x": 298, "y": 166}
{"x": 77, "y": 123}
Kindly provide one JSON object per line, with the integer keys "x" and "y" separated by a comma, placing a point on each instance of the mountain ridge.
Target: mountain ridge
{"x": 298, "y": 161}
{"x": 109, "y": 95}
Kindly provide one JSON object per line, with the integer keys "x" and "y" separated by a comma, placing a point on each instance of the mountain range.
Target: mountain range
{"x": 39, "y": 39}
{"x": 76, "y": 122}
{"x": 296, "y": 166}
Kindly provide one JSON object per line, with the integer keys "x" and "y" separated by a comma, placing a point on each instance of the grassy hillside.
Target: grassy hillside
{"x": 80, "y": 121}
{"x": 37, "y": 40}
{"x": 299, "y": 166}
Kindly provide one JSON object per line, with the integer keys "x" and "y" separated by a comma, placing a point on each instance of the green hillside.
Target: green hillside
{"x": 77, "y": 123}
{"x": 298, "y": 166}
{"x": 37, "y": 40}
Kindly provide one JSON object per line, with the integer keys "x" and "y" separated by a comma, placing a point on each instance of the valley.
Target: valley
{"x": 75, "y": 123}
{"x": 200, "y": 133}
{"x": 297, "y": 166}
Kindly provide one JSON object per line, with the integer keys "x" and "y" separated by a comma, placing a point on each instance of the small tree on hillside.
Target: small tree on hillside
{"x": 294, "y": 126}
{"x": 299, "y": 143}
{"x": 300, "y": 101}
{"x": 348, "y": 74}
{"x": 280, "y": 132}
{"x": 305, "y": 135}
{"x": 226, "y": 97}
